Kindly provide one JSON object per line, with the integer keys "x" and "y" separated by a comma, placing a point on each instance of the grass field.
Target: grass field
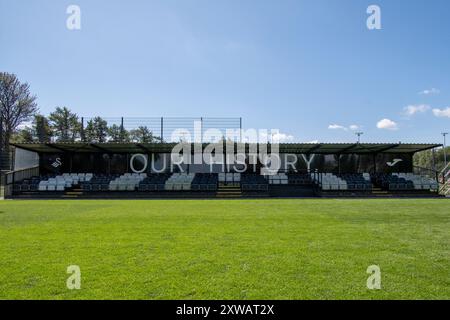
{"x": 232, "y": 249}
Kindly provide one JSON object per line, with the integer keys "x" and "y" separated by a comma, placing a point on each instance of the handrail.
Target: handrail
{"x": 19, "y": 175}
{"x": 444, "y": 181}
{"x": 7, "y": 179}
{"x": 426, "y": 169}
{"x": 446, "y": 171}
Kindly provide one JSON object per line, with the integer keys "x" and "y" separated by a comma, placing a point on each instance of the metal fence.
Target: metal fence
{"x": 7, "y": 179}
{"x": 166, "y": 127}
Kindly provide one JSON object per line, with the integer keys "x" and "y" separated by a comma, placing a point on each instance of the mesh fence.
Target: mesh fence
{"x": 174, "y": 129}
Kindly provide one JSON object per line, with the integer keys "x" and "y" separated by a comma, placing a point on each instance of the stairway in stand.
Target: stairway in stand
{"x": 378, "y": 192}
{"x": 73, "y": 194}
{"x": 228, "y": 191}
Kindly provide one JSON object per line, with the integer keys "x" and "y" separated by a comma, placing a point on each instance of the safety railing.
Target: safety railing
{"x": 7, "y": 179}
{"x": 444, "y": 180}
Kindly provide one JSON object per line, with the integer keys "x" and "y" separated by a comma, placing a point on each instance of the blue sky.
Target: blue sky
{"x": 304, "y": 67}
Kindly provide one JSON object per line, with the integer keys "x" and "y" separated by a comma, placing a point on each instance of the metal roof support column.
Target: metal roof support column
{"x": 122, "y": 131}
{"x": 162, "y": 129}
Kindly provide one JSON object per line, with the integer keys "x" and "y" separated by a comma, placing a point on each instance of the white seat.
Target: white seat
{"x": 168, "y": 186}
{"x": 177, "y": 186}
{"x": 113, "y": 186}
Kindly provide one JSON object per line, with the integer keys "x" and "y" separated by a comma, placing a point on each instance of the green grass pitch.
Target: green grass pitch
{"x": 230, "y": 249}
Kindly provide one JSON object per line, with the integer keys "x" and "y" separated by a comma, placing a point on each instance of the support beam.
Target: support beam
{"x": 93, "y": 145}
{"x": 57, "y": 147}
{"x": 317, "y": 146}
{"x": 349, "y": 148}
{"x": 387, "y": 148}
{"x": 423, "y": 149}
{"x": 141, "y": 146}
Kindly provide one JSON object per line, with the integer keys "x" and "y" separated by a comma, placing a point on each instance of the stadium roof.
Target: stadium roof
{"x": 299, "y": 148}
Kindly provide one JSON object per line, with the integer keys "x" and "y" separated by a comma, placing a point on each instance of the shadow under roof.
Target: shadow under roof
{"x": 297, "y": 148}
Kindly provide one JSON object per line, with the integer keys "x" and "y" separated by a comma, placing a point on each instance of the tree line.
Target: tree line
{"x": 21, "y": 121}
{"x": 426, "y": 160}
{"x": 63, "y": 125}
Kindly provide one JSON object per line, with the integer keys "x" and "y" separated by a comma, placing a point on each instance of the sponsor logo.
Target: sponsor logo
{"x": 394, "y": 162}
{"x": 57, "y": 163}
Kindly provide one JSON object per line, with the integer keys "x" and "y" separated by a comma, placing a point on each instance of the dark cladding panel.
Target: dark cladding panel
{"x": 364, "y": 163}
{"x": 82, "y": 163}
{"x": 390, "y": 163}
{"x": 54, "y": 163}
{"x": 119, "y": 163}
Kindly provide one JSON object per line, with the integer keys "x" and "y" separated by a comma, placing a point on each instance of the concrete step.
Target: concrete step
{"x": 229, "y": 196}
{"x": 74, "y": 193}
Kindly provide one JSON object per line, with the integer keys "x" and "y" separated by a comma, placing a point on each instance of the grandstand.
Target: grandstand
{"x": 146, "y": 170}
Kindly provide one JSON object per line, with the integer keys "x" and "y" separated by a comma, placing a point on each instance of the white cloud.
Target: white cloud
{"x": 282, "y": 137}
{"x": 274, "y": 137}
{"x": 336, "y": 127}
{"x": 352, "y": 127}
{"x": 313, "y": 141}
{"x": 442, "y": 113}
{"x": 387, "y": 124}
{"x": 413, "y": 109}
{"x": 430, "y": 91}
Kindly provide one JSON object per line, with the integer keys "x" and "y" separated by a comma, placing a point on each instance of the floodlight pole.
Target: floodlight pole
{"x": 445, "y": 151}
{"x": 359, "y": 134}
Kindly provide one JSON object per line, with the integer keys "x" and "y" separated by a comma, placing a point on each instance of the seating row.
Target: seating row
{"x": 419, "y": 182}
{"x": 254, "y": 182}
{"x": 61, "y": 182}
{"x": 229, "y": 178}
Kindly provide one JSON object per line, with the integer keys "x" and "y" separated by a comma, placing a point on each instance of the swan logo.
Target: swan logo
{"x": 393, "y": 163}
{"x": 57, "y": 163}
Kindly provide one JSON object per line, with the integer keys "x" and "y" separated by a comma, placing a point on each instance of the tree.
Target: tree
{"x": 143, "y": 135}
{"x": 24, "y": 135}
{"x": 96, "y": 130}
{"x": 424, "y": 159}
{"x": 116, "y": 134}
{"x": 65, "y": 125}
{"x": 17, "y": 105}
{"x": 42, "y": 132}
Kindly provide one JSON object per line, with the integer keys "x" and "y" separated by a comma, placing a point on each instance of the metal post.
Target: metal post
{"x": 201, "y": 129}
{"x": 359, "y": 134}
{"x": 434, "y": 163}
{"x": 240, "y": 129}
{"x": 339, "y": 163}
{"x": 444, "y": 134}
{"x": 121, "y": 130}
{"x": 162, "y": 129}
{"x": 82, "y": 129}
